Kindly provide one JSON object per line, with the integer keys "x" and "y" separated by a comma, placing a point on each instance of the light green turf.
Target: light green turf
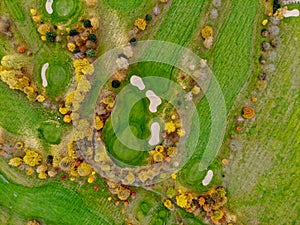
{"x": 58, "y": 76}
{"x": 50, "y": 202}
{"x": 124, "y": 5}
{"x": 15, "y": 10}
{"x": 63, "y": 10}
{"x": 17, "y": 113}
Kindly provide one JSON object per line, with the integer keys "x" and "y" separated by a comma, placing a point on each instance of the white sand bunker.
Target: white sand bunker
{"x": 49, "y": 6}
{"x": 43, "y": 74}
{"x": 207, "y": 179}
{"x": 137, "y": 82}
{"x": 291, "y": 13}
{"x": 155, "y": 101}
{"x": 155, "y": 131}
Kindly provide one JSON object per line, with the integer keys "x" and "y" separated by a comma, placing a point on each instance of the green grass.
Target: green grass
{"x": 49, "y": 204}
{"x": 58, "y": 77}
{"x": 15, "y": 10}
{"x": 51, "y": 133}
{"x": 18, "y": 116}
{"x": 63, "y": 10}
{"x": 124, "y": 5}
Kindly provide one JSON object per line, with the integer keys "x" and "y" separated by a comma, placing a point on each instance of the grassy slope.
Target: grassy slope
{"x": 50, "y": 202}
{"x": 270, "y": 149}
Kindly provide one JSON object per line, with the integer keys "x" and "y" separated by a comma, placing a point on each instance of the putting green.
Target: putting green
{"x": 57, "y": 78}
{"x": 51, "y": 133}
{"x": 124, "y": 5}
{"x": 64, "y": 8}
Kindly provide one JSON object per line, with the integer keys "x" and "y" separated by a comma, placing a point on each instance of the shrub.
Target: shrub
{"x": 91, "y": 53}
{"x": 87, "y": 24}
{"x": 115, "y": 84}
{"x": 50, "y": 36}
{"x": 207, "y": 32}
{"x": 148, "y": 17}
{"x": 92, "y": 37}
{"x": 73, "y": 32}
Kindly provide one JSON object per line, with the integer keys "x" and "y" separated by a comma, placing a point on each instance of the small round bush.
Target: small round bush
{"x": 115, "y": 84}
{"x": 148, "y": 17}
{"x": 73, "y": 32}
{"x": 50, "y": 36}
{"x": 87, "y": 24}
{"x": 92, "y": 37}
{"x": 91, "y": 53}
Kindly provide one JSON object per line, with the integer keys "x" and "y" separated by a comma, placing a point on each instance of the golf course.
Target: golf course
{"x": 69, "y": 155}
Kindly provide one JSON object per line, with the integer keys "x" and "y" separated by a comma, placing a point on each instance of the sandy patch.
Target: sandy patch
{"x": 137, "y": 82}
{"x": 291, "y": 13}
{"x": 49, "y": 6}
{"x": 155, "y": 130}
{"x": 155, "y": 101}
{"x": 43, "y": 74}
{"x": 207, "y": 179}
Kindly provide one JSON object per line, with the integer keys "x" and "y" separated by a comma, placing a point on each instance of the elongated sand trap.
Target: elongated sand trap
{"x": 49, "y": 6}
{"x": 291, "y": 13}
{"x": 155, "y": 130}
{"x": 137, "y": 82}
{"x": 43, "y": 74}
{"x": 207, "y": 179}
{"x": 155, "y": 101}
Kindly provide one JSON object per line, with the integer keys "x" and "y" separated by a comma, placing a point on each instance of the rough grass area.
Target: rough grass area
{"x": 50, "y": 202}
{"x": 263, "y": 178}
{"x": 124, "y": 5}
{"x": 17, "y": 114}
{"x": 15, "y": 10}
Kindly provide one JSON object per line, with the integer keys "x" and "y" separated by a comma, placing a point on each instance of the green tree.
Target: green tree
{"x": 92, "y": 37}
{"x": 51, "y": 36}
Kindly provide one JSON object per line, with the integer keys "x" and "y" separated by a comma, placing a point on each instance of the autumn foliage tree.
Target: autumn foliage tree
{"x": 207, "y": 32}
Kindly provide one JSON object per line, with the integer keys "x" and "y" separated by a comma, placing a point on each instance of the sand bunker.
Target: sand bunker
{"x": 155, "y": 101}
{"x": 155, "y": 131}
{"x": 291, "y": 13}
{"x": 207, "y": 179}
{"x": 43, "y": 74}
{"x": 49, "y": 6}
{"x": 137, "y": 82}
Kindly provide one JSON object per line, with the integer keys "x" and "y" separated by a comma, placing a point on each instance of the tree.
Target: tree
{"x": 87, "y": 24}
{"x": 50, "y": 36}
{"x": 92, "y": 37}
{"x": 140, "y": 23}
{"x": 91, "y": 53}
{"x": 248, "y": 112}
{"x": 13, "y": 61}
{"x": 73, "y": 32}
{"x": 207, "y": 32}
{"x": 15, "y": 161}
{"x": 115, "y": 84}
{"x": 84, "y": 169}
{"x": 44, "y": 28}
{"x": 148, "y": 17}
{"x": 32, "y": 158}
